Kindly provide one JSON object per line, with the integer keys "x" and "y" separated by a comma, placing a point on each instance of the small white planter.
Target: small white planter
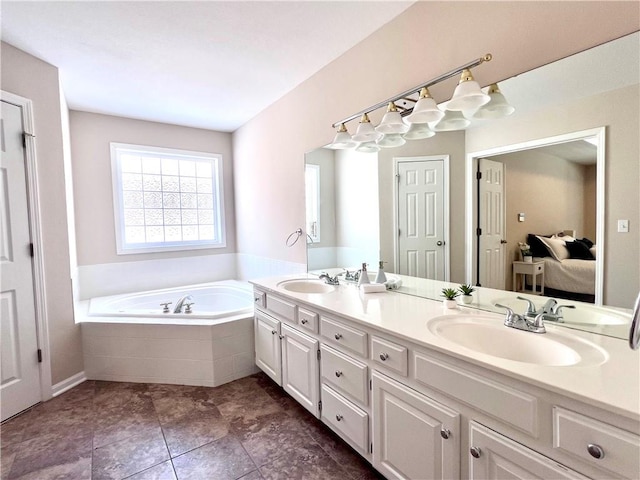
{"x": 528, "y": 259}
{"x": 450, "y": 303}
{"x": 467, "y": 299}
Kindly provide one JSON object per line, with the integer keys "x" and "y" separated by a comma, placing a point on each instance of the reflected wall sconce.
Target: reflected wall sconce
{"x": 400, "y": 124}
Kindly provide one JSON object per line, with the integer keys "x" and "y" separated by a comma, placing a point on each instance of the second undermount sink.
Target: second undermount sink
{"x": 306, "y": 285}
{"x": 488, "y": 336}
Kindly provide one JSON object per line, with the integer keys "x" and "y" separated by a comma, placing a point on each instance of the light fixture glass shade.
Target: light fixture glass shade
{"x": 467, "y": 95}
{"x": 452, "y": 120}
{"x": 425, "y": 110}
{"x": 342, "y": 140}
{"x": 390, "y": 140}
{"x": 368, "y": 147}
{"x": 419, "y": 131}
{"x": 497, "y": 107}
{"x": 392, "y": 121}
{"x": 365, "y": 131}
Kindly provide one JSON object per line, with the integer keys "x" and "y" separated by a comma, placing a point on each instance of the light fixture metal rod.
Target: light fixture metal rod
{"x": 417, "y": 88}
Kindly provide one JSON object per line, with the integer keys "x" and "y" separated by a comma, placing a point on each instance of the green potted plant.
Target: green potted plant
{"x": 450, "y": 295}
{"x": 466, "y": 290}
{"x": 525, "y": 251}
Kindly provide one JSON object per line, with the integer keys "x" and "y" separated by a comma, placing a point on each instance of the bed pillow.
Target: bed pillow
{"x": 538, "y": 249}
{"x": 556, "y": 247}
{"x": 593, "y": 251}
{"x": 588, "y": 242}
{"x": 579, "y": 250}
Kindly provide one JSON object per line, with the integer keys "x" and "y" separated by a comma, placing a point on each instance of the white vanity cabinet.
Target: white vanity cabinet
{"x": 268, "y": 346}
{"x": 493, "y": 456}
{"x": 300, "y": 367}
{"x": 413, "y": 435}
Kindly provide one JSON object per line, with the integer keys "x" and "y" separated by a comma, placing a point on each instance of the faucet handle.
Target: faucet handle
{"x": 556, "y": 308}
{"x": 165, "y": 307}
{"x": 187, "y": 307}
{"x": 511, "y": 316}
{"x": 531, "y": 308}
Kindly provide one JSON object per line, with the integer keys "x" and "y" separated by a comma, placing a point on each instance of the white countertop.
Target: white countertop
{"x": 613, "y": 385}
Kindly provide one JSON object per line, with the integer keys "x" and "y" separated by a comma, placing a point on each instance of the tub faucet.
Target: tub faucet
{"x": 180, "y": 303}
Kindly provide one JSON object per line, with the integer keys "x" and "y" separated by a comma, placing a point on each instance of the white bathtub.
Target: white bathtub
{"x": 216, "y": 300}
{"x": 128, "y": 338}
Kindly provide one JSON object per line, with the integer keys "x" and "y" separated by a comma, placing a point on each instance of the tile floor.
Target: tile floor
{"x": 248, "y": 429}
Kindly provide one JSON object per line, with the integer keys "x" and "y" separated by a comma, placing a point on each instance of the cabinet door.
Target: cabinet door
{"x": 494, "y": 456}
{"x": 300, "y": 368}
{"x": 413, "y": 435}
{"x": 268, "y": 347}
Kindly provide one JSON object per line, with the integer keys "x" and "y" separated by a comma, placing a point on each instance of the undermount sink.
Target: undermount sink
{"x": 306, "y": 285}
{"x": 488, "y": 336}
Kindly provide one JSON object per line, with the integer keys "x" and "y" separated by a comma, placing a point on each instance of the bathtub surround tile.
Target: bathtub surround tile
{"x": 129, "y": 456}
{"x": 112, "y": 429}
{"x": 222, "y": 459}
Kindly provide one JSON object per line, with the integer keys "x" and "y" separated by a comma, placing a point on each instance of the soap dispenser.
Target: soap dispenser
{"x": 364, "y": 277}
{"x": 381, "y": 277}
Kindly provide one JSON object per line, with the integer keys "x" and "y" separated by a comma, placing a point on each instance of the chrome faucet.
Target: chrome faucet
{"x": 551, "y": 310}
{"x": 521, "y": 322}
{"x": 329, "y": 279}
{"x": 181, "y": 303}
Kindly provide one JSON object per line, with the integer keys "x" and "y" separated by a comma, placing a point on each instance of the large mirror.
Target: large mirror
{"x": 568, "y": 160}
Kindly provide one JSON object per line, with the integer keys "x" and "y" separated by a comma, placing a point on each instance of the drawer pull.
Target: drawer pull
{"x": 338, "y": 373}
{"x": 303, "y": 321}
{"x": 281, "y": 337}
{"x": 273, "y": 332}
{"x": 445, "y": 433}
{"x": 475, "y": 452}
{"x": 595, "y": 451}
{"x": 339, "y": 417}
{"x": 338, "y": 336}
{"x": 256, "y": 299}
{"x": 384, "y": 356}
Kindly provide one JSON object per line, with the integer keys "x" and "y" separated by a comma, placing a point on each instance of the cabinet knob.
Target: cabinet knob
{"x": 338, "y": 336}
{"x": 445, "y": 433}
{"x": 475, "y": 452}
{"x": 338, "y": 373}
{"x": 384, "y": 356}
{"x": 273, "y": 332}
{"x": 595, "y": 451}
{"x": 339, "y": 417}
{"x": 256, "y": 299}
{"x": 281, "y": 337}
{"x": 303, "y": 321}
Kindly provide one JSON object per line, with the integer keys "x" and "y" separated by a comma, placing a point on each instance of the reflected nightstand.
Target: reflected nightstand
{"x": 528, "y": 268}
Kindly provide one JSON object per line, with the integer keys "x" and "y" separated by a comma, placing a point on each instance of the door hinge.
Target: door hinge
{"x": 398, "y": 177}
{"x": 398, "y": 232}
{"x": 478, "y": 175}
{"x": 371, "y": 447}
{"x": 478, "y": 232}
{"x": 31, "y": 250}
{"x": 39, "y": 355}
{"x": 318, "y": 354}
{"x": 370, "y": 387}
{"x": 320, "y": 405}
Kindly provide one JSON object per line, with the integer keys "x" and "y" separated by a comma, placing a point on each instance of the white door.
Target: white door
{"x": 491, "y": 221}
{"x": 413, "y": 436}
{"x": 268, "y": 346}
{"x": 493, "y": 456}
{"x": 421, "y": 211}
{"x": 20, "y": 382}
{"x": 300, "y": 370}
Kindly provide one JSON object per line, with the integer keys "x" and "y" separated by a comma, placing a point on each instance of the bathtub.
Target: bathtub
{"x": 129, "y": 338}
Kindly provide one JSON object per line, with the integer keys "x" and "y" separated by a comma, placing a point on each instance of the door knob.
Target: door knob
{"x": 439, "y": 243}
{"x": 503, "y": 241}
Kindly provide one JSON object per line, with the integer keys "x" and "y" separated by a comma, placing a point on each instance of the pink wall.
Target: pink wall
{"x": 428, "y": 39}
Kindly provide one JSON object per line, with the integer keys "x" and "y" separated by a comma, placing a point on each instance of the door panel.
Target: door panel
{"x": 20, "y": 373}
{"x": 268, "y": 346}
{"x": 420, "y": 200}
{"x": 300, "y": 369}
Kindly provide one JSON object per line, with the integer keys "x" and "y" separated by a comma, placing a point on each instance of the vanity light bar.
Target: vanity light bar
{"x": 417, "y": 88}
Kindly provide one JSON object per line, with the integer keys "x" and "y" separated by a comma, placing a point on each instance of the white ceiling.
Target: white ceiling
{"x": 206, "y": 64}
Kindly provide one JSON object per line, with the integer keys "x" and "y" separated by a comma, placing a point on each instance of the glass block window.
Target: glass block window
{"x": 166, "y": 199}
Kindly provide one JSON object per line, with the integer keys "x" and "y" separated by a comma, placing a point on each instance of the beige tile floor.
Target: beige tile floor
{"x": 248, "y": 429}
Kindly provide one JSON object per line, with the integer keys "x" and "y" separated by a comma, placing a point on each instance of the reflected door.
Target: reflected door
{"x": 20, "y": 380}
{"x": 421, "y": 218}
{"x": 491, "y": 238}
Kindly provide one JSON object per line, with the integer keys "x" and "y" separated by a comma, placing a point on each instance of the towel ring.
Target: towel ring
{"x": 298, "y": 233}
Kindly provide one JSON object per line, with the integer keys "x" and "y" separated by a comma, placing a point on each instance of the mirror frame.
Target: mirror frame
{"x": 471, "y": 161}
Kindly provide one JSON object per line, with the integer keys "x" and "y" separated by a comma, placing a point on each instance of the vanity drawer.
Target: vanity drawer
{"x": 308, "y": 320}
{"x": 344, "y": 417}
{"x": 259, "y": 298}
{"x": 283, "y": 308}
{"x": 345, "y": 374}
{"x": 347, "y": 337}
{"x": 390, "y": 355}
{"x": 587, "y": 438}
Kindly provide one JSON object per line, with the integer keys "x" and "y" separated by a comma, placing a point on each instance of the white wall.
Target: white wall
{"x": 29, "y": 77}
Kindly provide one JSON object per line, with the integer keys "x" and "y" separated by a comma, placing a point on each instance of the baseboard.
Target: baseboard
{"x": 68, "y": 383}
